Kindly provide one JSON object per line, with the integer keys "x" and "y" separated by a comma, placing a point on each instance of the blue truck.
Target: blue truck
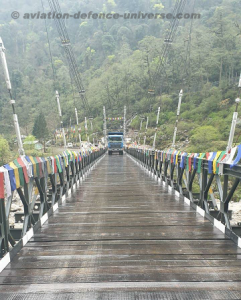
{"x": 115, "y": 142}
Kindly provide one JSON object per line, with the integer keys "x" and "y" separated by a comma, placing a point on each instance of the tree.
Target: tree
{"x": 89, "y": 54}
{"x": 29, "y": 142}
{"x": 4, "y": 150}
{"x": 40, "y": 129}
{"x": 118, "y": 61}
{"x": 203, "y": 137}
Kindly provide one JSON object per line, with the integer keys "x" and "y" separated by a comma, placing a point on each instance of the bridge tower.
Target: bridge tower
{"x": 104, "y": 126}
{"x": 234, "y": 121}
{"x": 157, "y": 121}
{"x": 124, "y": 125}
{"x": 77, "y": 122}
{"x": 12, "y": 102}
{"x": 61, "y": 118}
{"x": 178, "y": 114}
{"x": 147, "y": 121}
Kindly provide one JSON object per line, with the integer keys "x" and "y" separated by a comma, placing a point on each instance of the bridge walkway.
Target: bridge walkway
{"x": 122, "y": 235}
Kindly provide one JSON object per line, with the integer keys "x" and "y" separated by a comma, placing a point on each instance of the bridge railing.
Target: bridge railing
{"x": 206, "y": 181}
{"x": 39, "y": 184}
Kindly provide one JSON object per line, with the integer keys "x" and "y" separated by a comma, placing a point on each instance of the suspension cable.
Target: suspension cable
{"x": 65, "y": 41}
{"x": 50, "y": 51}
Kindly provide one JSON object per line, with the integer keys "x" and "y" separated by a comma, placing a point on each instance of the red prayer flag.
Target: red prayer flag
{"x": 40, "y": 167}
{"x": 190, "y": 162}
{"x": 172, "y": 157}
{"x": 55, "y": 166}
{"x": 1, "y": 186}
{"x": 25, "y": 173}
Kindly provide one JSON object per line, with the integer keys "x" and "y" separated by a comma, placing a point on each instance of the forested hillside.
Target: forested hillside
{"x": 117, "y": 58}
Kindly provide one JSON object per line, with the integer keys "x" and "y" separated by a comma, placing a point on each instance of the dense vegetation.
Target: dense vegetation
{"x": 116, "y": 59}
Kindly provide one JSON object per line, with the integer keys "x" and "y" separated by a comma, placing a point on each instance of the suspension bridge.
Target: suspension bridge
{"x": 121, "y": 227}
{"x": 146, "y": 225}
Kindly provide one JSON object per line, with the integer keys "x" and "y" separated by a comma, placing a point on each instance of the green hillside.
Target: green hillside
{"x": 117, "y": 58}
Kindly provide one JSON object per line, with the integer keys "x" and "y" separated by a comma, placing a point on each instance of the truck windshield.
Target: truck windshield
{"x": 115, "y": 139}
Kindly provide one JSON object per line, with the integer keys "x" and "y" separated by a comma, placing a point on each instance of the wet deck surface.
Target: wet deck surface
{"x": 122, "y": 235}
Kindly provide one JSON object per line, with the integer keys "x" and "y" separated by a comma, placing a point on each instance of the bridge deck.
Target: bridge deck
{"x": 123, "y": 236}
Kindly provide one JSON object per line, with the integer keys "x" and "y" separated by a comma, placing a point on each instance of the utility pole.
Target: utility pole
{"x": 234, "y": 121}
{"x": 77, "y": 122}
{"x": 157, "y": 121}
{"x": 12, "y": 102}
{"x": 104, "y": 126}
{"x": 61, "y": 118}
{"x": 147, "y": 120}
{"x": 178, "y": 114}
{"x": 124, "y": 125}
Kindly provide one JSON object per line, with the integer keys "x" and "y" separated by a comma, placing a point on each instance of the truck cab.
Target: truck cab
{"x": 115, "y": 142}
